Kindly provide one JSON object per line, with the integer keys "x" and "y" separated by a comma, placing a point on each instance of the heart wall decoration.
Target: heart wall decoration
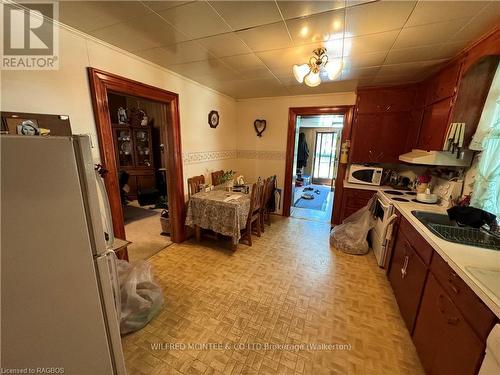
{"x": 260, "y": 126}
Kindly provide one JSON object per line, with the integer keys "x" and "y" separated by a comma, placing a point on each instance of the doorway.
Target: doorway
{"x": 139, "y": 137}
{"x": 316, "y": 159}
{"x": 136, "y": 143}
{"x": 329, "y": 173}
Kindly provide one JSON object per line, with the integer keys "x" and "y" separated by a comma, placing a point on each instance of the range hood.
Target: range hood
{"x": 444, "y": 158}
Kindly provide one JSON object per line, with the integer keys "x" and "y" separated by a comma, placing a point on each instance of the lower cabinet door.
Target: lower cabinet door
{"x": 407, "y": 277}
{"x": 446, "y": 344}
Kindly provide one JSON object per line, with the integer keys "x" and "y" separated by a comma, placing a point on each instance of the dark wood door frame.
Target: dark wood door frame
{"x": 100, "y": 84}
{"x": 293, "y": 112}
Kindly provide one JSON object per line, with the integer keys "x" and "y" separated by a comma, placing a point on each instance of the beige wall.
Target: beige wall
{"x": 66, "y": 91}
{"x": 265, "y": 156}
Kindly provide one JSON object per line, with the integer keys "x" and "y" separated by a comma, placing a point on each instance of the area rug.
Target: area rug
{"x": 145, "y": 237}
{"x": 320, "y": 194}
{"x": 132, "y": 213}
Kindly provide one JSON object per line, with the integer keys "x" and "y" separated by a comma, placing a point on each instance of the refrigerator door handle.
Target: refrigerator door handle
{"x": 107, "y": 212}
{"x": 115, "y": 282}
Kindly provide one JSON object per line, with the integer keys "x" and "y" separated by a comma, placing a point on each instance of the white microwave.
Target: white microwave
{"x": 362, "y": 174}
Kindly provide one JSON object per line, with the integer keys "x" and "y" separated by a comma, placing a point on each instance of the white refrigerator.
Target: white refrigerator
{"x": 59, "y": 287}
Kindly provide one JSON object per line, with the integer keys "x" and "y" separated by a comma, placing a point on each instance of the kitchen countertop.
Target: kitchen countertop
{"x": 350, "y": 185}
{"x": 479, "y": 268}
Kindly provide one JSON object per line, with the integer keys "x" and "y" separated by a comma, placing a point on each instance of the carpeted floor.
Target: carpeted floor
{"x": 143, "y": 229}
{"x": 320, "y": 194}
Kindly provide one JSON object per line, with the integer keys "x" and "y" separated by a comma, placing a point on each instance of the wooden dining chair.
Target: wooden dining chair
{"x": 253, "y": 214}
{"x": 194, "y": 184}
{"x": 263, "y": 201}
{"x": 216, "y": 176}
{"x": 266, "y": 211}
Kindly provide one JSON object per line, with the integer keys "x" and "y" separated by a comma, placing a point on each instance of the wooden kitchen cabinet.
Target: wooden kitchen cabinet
{"x": 475, "y": 312}
{"x": 446, "y": 344}
{"x": 385, "y": 125}
{"x": 444, "y": 84}
{"x": 382, "y": 137}
{"x": 388, "y": 99}
{"x": 435, "y": 125}
{"x": 353, "y": 200}
{"x": 407, "y": 276}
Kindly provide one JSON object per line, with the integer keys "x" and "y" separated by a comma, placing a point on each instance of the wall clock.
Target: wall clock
{"x": 213, "y": 119}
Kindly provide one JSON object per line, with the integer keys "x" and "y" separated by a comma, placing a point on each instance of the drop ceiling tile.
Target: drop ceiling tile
{"x": 244, "y": 14}
{"x": 196, "y": 19}
{"x": 138, "y": 34}
{"x": 266, "y": 37}
{"x": 365, "y": 60}
{"x": 424, "y": 35}
{"x": 293, "y": 9}
{"x": 317, "y": 28}
{"x": 377, "y": 17}
{"x": 159, "y": 5}
{"x": 287, "y": 57}
{"x": 424, "y": 53}
{"x": 488, "y": 18}
{"x": 92, "y": 15}
{"x": 409, "y": 69}
{"x": 359, "y": 73}
{"x": 243, "y": 62}
{"x": 255, "y": 88}
{"x": 225, "y": 45}
{"x": 175, "y": 54}
{"x": 440, "y": 11}
{"x": 379, "y": 42}
{"x": 214, "y": 68}
{"x": 249, "y": 65}
{"x": 325, "y": 87}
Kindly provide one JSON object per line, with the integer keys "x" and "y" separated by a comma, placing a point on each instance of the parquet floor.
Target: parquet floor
{"x": 291, "y": 288}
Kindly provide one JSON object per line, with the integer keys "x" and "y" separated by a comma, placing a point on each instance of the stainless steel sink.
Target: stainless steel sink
{"x": 449, "y": 230}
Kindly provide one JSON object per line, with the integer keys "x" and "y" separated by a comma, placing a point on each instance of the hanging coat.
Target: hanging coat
{"x": 302, "y": 151}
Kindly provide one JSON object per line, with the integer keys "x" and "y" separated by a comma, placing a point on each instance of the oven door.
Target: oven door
{"x": 384, "y": 217}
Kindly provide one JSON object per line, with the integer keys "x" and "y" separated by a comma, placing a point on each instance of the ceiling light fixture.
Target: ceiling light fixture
{"x": 310, "y": 73}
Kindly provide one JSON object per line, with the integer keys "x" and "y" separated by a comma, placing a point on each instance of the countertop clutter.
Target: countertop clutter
{"x": 479, "y": 268}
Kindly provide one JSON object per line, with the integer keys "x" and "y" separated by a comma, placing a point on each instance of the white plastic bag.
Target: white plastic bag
{"x": 141, "y": 296}
{"x": 350, "y": 236}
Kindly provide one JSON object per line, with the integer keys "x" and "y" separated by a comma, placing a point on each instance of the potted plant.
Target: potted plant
{"x": 227, "y": 178}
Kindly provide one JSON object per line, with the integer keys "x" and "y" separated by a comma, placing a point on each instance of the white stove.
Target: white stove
{"x": 384, "y": 212}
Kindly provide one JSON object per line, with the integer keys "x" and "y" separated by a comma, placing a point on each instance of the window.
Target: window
{"x": 324, "y": 157}
{"x": 486, "y": 191}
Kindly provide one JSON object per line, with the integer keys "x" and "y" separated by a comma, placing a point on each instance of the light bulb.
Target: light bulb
{"x": 312, "y": 79}
{"x": 300, "y": 71}
{"x": 333, "y": 68}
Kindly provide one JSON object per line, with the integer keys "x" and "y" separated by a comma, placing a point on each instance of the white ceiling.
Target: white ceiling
{"x": 247, "y": 48}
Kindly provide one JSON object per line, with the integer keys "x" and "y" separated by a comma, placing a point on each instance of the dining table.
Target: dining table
{"x": 221, "y": 211}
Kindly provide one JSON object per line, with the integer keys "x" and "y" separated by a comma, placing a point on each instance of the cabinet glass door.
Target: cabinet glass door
{"x": 124, "y": 147}
{"x": 143, "y": 147}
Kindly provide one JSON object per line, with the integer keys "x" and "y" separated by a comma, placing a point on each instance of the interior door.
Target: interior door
{"x": 325, "y": 157}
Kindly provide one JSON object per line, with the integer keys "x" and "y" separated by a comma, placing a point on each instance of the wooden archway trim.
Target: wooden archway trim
{"x": 293, "y": 112}
{"x": 101, "y": 83}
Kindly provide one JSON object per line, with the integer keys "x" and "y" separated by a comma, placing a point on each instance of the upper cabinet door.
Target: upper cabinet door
{"x": 444, "y": 84}
{"x": 366, "y": 129}
{"x": 394, "y": 99}
{"x": 435, "y": 125}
